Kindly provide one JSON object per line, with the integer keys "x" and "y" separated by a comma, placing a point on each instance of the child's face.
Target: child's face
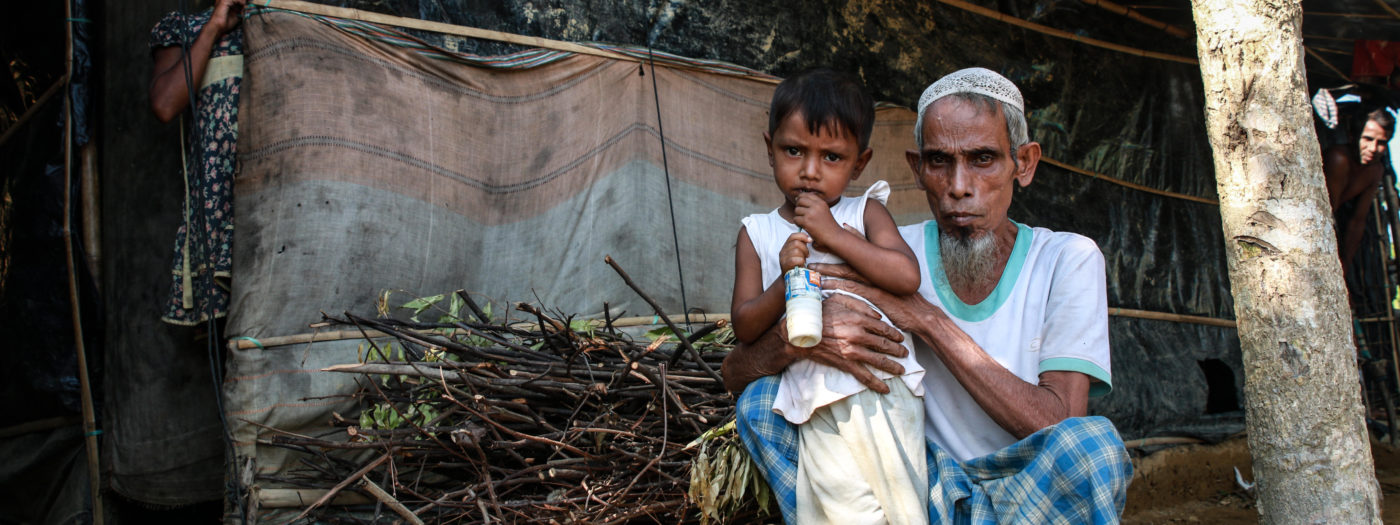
{"x": 823, "y": 163}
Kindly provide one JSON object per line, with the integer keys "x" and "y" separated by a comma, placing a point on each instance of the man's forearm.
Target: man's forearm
{"x": 764, "y": 357}
{"x": 1019, "y": 407}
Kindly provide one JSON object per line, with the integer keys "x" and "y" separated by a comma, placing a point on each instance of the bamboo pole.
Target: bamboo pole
{"x": 1166, "y": 316}
{"x": 34, "y": 109}
{"x": 1065, "y": 34}
{"x": 1388, "y": 9}
{"x": 1135, "y": 15}
{"x": 1392, "y": 209}
{"x": 84, "y": 384}
{"x": 389, "y": 500}
{"x": 341, "y": 335}
{"x": 1127, "y": 184}
{"x": 438, "y": 27}
{"x": 1324, "y": 61}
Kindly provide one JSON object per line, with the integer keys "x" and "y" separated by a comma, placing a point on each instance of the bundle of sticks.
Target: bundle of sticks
{"x": 471, "y": 421}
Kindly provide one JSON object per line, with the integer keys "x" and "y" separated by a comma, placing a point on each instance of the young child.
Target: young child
{"x": 862, "y": 456}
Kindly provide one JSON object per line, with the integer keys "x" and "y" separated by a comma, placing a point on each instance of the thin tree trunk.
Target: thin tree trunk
{"x": 1312, "y": 459}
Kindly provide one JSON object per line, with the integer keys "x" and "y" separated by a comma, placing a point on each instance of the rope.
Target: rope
{"x": 670, "y": 202}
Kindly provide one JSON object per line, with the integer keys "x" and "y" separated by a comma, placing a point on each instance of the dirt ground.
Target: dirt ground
{"x": 1196, "y": 484}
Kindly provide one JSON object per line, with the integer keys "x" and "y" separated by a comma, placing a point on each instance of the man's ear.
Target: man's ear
{"x": 912, "y": 157}
{"x": 861, "y": 161}
{"x": 768, "y": 147}
{"x": 1028, "y": 156}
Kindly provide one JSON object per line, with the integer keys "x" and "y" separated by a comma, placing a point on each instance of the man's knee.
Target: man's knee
{"x": 1094, "y": 453}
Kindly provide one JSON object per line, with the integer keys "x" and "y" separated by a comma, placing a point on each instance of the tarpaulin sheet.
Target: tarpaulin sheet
{"x": 366, "y": 166}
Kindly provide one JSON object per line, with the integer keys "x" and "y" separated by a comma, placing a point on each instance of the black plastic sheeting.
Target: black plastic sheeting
{"x": 45, "y": 474}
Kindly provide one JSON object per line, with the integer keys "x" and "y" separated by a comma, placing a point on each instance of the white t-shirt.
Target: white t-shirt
{"x": 1048, "y": 312}
{"x": 807, "y": 385}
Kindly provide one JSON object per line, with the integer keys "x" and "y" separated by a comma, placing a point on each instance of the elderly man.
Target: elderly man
{"x": 1010, "y": 321}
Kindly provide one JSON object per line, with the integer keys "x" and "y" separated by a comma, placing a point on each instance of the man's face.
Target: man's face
{"x": 966, "y": 169}
{"x": 1373, "y": 141}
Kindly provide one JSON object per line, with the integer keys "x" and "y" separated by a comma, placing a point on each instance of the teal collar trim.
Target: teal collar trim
{"x": 980, "y": 311}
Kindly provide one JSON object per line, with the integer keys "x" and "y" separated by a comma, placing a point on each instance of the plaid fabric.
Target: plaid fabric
{"x": 771, "y": 442}
{"x": 1074, "y": 472}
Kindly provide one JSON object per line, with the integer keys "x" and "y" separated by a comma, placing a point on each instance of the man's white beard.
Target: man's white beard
{"x": 967, "y": 260}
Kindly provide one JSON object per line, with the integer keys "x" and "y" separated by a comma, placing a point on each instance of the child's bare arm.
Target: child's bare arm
{"x": 756, "y": 305}
{"x": 882, "y": 255}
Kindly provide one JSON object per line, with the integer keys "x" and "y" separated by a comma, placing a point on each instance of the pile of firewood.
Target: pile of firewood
{"x": 473, "y": 420}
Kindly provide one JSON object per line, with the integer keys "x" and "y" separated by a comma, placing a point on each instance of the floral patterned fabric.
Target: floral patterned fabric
{"x": 210, "y": 149}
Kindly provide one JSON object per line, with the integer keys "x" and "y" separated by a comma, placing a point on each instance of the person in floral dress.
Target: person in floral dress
{"x": 203, "y": 242}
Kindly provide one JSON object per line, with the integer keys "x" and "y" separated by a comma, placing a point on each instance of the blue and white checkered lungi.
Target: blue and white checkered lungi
{"x": 1073, "y": 472}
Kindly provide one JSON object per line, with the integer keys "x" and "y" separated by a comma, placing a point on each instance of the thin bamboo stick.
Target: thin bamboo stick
{"x": 38, "y": 104}
{"x": 1165, "y": 316}
{"x": 336, "y": 489}
{"x": 389, "y": 500}
{"x": 1388, "y": 9}
{"x": 1129, "y": 12}
{"x": 1127, "y": 184}
{"x": 288, "y": 498}
{"x": 1065, "y": 34}
{"x": 84, "y": 384}
{"x": 1324, "y": 61}
{"x": 1346, "y": 15}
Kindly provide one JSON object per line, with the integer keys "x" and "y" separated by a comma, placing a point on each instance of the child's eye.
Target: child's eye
{"x": 832, "y": 157}
{"x": 792, "y": 151}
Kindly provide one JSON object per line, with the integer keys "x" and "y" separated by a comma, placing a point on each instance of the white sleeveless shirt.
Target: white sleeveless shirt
{"x": 807, "y": 385}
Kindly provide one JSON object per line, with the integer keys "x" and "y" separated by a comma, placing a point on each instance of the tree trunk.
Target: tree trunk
{"x": 1312, "y": 459}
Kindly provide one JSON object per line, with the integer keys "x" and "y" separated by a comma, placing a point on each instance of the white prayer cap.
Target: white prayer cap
{"x": 977, "y": 80}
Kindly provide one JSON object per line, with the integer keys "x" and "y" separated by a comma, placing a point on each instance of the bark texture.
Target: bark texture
{"x": 1312, "y": 460}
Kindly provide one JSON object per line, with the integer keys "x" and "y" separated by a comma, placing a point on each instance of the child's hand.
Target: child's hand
{"x": 811, "y": 213}
{"x": 794, "y": 252}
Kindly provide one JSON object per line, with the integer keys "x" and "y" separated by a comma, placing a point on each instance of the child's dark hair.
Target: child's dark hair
{"x": 826, "y": 99}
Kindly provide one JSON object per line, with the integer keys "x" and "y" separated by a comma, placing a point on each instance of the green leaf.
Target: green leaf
{"x": 422, "y": 303}
{"x": 455, "y": 307}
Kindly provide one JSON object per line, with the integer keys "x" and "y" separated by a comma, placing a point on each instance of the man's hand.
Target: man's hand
{"x": 794, "y": 252}
{"x": 853, "y": 336}
{"x": 905, "y": 312}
